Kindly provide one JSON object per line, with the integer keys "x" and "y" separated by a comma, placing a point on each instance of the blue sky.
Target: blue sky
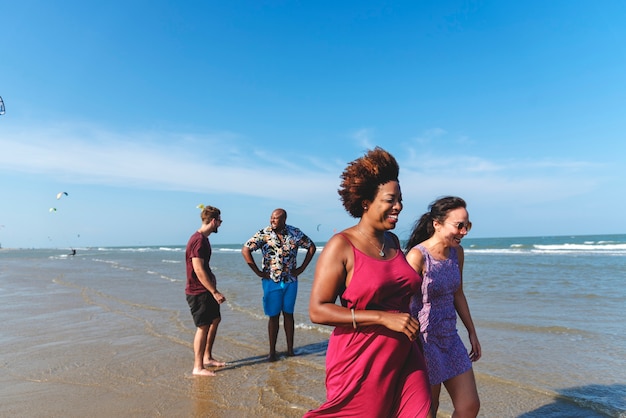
{"x": 141, "y": 110}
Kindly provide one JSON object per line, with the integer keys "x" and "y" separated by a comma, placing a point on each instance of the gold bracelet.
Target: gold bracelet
{"x": 353, "y": 319}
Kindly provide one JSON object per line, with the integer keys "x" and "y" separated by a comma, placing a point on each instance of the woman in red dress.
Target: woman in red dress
{"x": 374, "y": 366}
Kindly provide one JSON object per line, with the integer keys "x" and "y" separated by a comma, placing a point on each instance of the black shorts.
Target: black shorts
{"x": 204, "y": 308}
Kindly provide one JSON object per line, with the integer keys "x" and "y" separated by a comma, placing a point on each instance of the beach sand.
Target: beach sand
{"x": 79, "y": 342}
{"x": 70, "y": 350}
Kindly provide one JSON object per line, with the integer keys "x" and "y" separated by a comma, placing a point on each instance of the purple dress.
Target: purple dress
{"x": 446, "y": 356}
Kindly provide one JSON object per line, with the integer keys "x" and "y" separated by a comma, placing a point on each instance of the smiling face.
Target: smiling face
{"x": 386, "y": 206}
{"x": 449, "y": 230}
{"x": 278, "y": 220}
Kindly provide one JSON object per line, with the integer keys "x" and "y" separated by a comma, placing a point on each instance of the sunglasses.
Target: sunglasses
{"x": 461, "y": 225}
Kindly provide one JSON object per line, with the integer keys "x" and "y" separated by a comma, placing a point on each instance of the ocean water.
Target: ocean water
{"x": 550, "y": 317}
{"x": 108, "y": 332}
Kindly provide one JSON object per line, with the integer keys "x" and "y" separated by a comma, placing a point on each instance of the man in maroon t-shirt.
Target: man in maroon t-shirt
{"x": 202, "y": 295}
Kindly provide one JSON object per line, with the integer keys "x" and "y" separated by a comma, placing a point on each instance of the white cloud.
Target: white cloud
{"x": 160, "y": 161}
{"x": 229, "y": 164}
{"x": 363, "y": 137}
{"x": 429, "y": 136}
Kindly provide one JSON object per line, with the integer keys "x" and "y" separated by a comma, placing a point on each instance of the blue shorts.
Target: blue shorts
{"x": 279, "y": 297}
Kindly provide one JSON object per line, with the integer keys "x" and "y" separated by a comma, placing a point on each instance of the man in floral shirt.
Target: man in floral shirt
{"x": 279, "y": 244}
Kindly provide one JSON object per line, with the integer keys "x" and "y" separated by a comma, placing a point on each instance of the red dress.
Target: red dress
{"x": 373, "y": 371}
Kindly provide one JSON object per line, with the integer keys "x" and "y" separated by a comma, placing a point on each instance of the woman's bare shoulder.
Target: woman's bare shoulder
{"x": 415, "y": 257}
{"x": 339, "y": 242}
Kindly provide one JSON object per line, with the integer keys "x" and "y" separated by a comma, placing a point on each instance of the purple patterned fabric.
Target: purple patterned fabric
{"x": 445, "y": 353}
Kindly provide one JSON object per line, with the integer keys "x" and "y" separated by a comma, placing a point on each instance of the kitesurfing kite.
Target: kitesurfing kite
{"x": 52, "y": 210}
{"x": 2, "y": 109}
{"x": 201, "y": 206}
{"x": 60, "y": 195}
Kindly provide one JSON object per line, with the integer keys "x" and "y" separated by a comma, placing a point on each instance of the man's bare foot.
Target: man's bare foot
{"x": 291, "y": 353}
{"x": 202, "y": 372}
{"x": 272, "y": 358}
{"x": 214, "y": 363}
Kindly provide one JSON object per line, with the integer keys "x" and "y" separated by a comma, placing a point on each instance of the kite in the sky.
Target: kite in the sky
{"x": 53, "y": 210}
{"x": 200, "y": 206}
{"x": 2, "y": 109}
{"x": 60, "y": 194}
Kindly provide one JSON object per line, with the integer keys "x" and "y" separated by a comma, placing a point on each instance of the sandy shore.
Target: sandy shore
{"x": 77, "y": 342}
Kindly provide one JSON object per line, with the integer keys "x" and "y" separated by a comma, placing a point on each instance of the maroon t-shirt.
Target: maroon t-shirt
{"x": 200, "y": 247}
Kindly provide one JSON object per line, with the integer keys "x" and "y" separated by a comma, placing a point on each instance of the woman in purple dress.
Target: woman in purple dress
{"x": 434, "y": 251}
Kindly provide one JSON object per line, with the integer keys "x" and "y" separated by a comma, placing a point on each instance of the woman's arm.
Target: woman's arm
{"x": 329, "y": 281}
{"x": 462, "y": 308}
{"x": 416, "y": 260}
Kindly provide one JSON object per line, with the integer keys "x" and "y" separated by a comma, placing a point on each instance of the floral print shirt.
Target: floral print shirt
{"x": 279, "y": 258}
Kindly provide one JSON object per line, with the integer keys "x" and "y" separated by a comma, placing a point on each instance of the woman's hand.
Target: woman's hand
{"x": 476, "y": 353}
{"x": 402, "y": 322}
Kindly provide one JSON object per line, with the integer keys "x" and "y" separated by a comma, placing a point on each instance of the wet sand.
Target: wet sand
{"x": 70, "y": 352}
{"x": 87, "y": 337}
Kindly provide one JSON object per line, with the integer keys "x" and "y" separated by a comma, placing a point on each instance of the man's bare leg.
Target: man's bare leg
{"x": 199, "y": 346}
{"x": 272, "y": 330}
{"x": 289, "y": 332}
{"x": 208, "y": 352}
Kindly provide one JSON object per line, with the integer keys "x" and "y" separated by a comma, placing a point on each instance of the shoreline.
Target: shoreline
{"x": 110, "y": 335}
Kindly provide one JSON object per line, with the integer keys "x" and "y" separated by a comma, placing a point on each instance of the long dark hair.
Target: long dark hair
{"x": 437, "y": 211}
